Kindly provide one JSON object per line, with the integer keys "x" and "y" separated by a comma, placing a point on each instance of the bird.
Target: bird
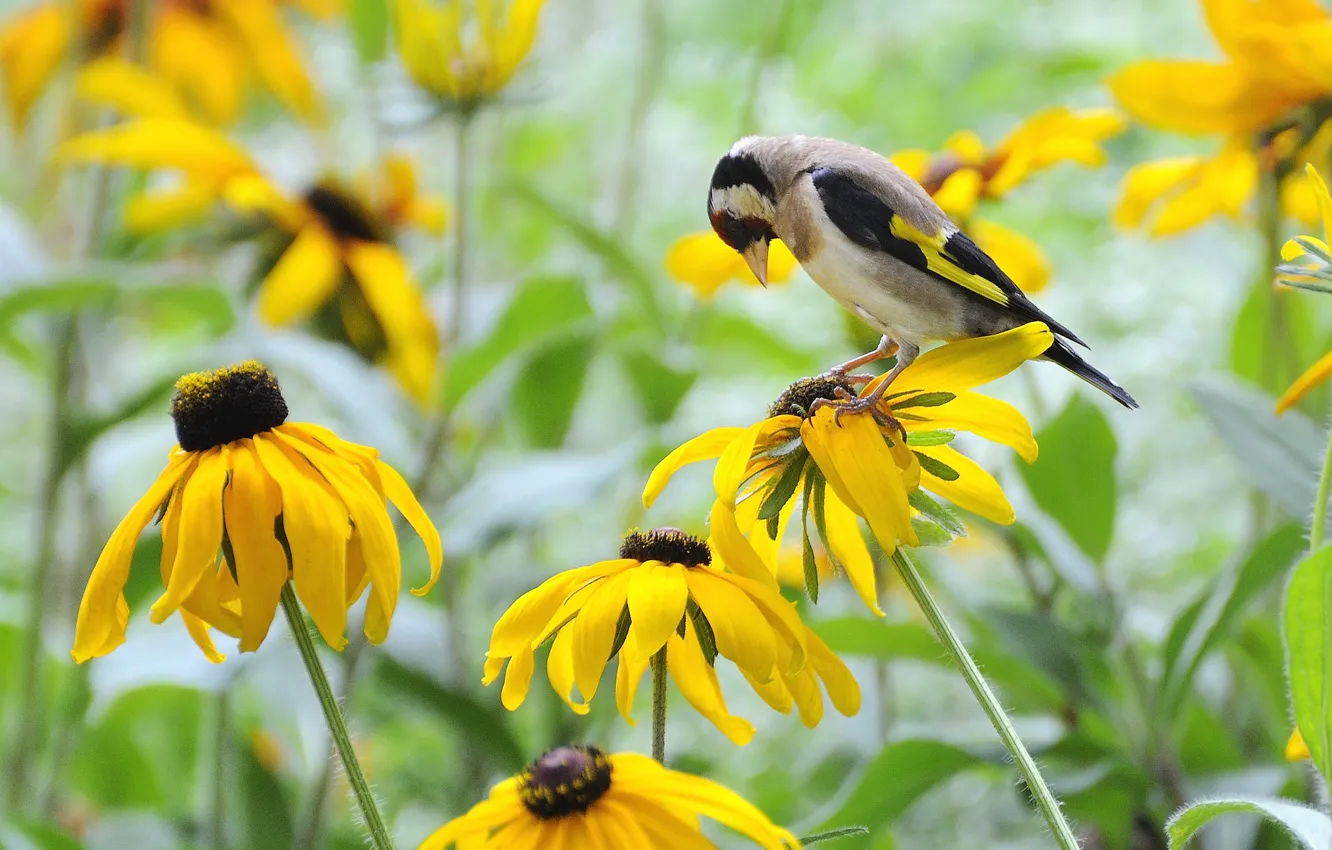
{"x": 874, "y": 240}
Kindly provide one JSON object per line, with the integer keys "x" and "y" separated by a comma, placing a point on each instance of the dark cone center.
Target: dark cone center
{"x": 797, "y": 399}
{"x": 343, "y": 213}
{"x": 668, "y": 545}
{"x": 227, "y": 404}
{"x": 564, "y": 781}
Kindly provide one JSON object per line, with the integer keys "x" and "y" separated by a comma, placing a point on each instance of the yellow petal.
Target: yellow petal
{"x": 198, "y": 630}
{"x": 705, "y": 263}
{"x": 160, "y": 143}
{"x": 253, "y": 194}
{"x": 1013, "y": 252}
{"x": 400, "y": 307}
{"x": 521, "y": 624}
{"x": 1324, "y": 200}
{"x": 274, "y": 54}
{"x": 201, "y": 58}
{"x": 128, "y": 89}
{"x": 1312, "y": 377}
{"x": 781, "y": 262}
{"x": 402, "y": 497}
{"x": 1189, "y": 96}
{"x": 251, "y": 503}
{"x": 698, "y": 684}
{"x": 1223, "y": 184}
{"x": 31, "y": 46}
{"x": 594, "y": 631}
{"x": 847, "y": 545}
{"x": 317, "y": 527}
{"x": 707, "y": 798}
{"x": 959, "y": 193}
{"x": 705, "y": 446}
{"x": 967, "y": 363}
{"x": 628, "y": 673}
{"x": 518, "y": 679}
{"x": 1296, "y": 748}
{"x": 103, "y": 613}
{"x": 200, "y": 536}
{"x": 150, "y": 212}
{"x": 515, "y": 39}
{"x": 842, "y": 687}
{"x": 742, "y": 633}
{"x": 733, "y": 465}
{"x": 304, "y": 277}
{"x": 560, "y": 670}
{"x": 914, "y": 161}
{"x": 974, "y": 490}
{"x": 733, "y": 550}
{"x": 1147, "y": 183}
{"x": 986, "y": 417}
{"x": 657, "y": 595}
{"x": 967, "y": 146}
{"x": 780, "y": 614}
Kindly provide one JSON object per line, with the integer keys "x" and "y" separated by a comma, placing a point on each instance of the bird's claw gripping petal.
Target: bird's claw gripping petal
{"x": 848, "y": 404}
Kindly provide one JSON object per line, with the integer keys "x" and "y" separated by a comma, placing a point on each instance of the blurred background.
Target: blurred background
{"x": 1129, "y": 620}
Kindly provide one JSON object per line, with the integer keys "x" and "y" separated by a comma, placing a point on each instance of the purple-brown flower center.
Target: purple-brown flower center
{"x": 668, "y": 545}
{"x": 564, "y": 781}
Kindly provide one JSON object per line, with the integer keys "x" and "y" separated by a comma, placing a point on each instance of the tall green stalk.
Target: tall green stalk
{"x": 1318, "y": 523}
{"x": 1045, "y": 801}
{"x": 659, "y": 705}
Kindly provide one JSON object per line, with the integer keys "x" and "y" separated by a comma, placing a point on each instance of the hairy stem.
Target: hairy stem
{"x": 659, "y": 705}
{"x": 1318, "y": 524}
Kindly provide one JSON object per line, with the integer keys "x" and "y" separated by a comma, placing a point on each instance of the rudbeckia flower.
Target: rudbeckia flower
{"x": 580, "y": 797}
{"x": 966, "y": 172}
{"x": 465, "y": 53}
{"x": 207, "y": 50}
{"x": 338, "y": 261}
{"x": 248, "y": 502}
{"x": 1307, "y": 264}
{"x": 1169, "y": 196}
{"x": 705, "y": 263}
{"x": 871, "y": 465}
{"x": 666, "y": 592}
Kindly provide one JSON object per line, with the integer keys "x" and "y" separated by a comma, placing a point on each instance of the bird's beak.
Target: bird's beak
{"x": 756, "y": 257}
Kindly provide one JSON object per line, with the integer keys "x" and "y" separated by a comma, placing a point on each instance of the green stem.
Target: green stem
{"x": 314, "y": 821}
{"x": 659, "y": 705}
{"x": 1026, "y": 765}
{"x": 1318, "y": 528}
{"x": 458, "y": 270}
{"x": 32, "y": 689}
{"x": 337, "y": 724}
{"x": 217, "y": 804}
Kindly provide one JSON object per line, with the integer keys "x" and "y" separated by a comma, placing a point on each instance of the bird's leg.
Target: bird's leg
{"x": 847, "y": 403}
{"x": 885, "y": 348}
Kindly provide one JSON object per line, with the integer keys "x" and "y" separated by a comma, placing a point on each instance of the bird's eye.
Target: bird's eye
{"x": 739, "y": 233}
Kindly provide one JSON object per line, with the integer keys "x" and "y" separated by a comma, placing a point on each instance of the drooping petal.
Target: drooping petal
{"x": 202, "y": 59}
{"x": 251, "y": 504}
{"x": 274, "y": 54}
{"x": 31, "y": 46}
{"x": 974, "y": 490}
{"x": 985, "y": 417}
{"x": 200, "y": 536}
{"x": 594, "y": 631}
{"x": 402, "y": 497}
{"x": 522, "y": 623}
{"x": 198, "y": 631}
{"x": 742, "y": 633}
{"x": 733, "y": 466}
{"x": 1013, "y": 252}
{"x": 1312, "y": 377}
{"x": 1147, "y": 183}
{"x": 560, "y": 670}
{"x": 303, "y": 278}
{"x": 628, "y": 673}
{"x": 128, "y": 89}
{"x": 842, "y": 688}
{"x": 698, "y": 684}
{"x": 657, "y": 595}
{"x": 1189, "y": 96}
{"x": 967, "y": 363}
{"x": 103, "y": 613}
{"x": 515, "y": 40}
{"x": 160, "y": 143}
{"x": 847, "y": 546}
{"x": 401, "y": 310}
{"x": 960, "y": 193}
{"x": 705, "y": 446}
{"x": 724, "y": 806}
{"x": 781, "y": 615}
{"x": 518, "y": 679}
{"x": 733, "y": 550}
{"x": 157, "y": 210}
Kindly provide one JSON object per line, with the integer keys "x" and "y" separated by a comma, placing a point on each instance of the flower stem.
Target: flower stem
{"x": 659, "y": 705}
{"x": 458, "y": 270}
{"x": 217, "y": 804}
{"x": 337, "y": 724}
{"x": 1318, "y": 526}
{"x": 1026, "y": 765}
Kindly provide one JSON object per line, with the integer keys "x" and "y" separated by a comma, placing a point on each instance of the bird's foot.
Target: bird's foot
{"x": 848, "y": 404}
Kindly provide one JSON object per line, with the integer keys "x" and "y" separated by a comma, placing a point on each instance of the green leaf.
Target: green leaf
{"x": 43, "y": 836}
{"x": 659, "y": 387}
{"x": 266, "y": 805}
{"x": 740, "y": 339}
{"x": 369, "y": 26}
{"x": 929, "y": 438}
{"x": 1074, "y": 480}
{"x": 1252, "y": 341}
{"x": 833, "y": 835}
{"x": 488, "y": 722}
{"x": 1046, "y": 644}
{"x": 548, "y": 388}
{"x": 941, "y": 514}
{"x": 540, "y": 308}
{"x": 1277, "y": 454}
{"x": 930, "y": 533}
{"x": 56, "y": 296}
{"x": 809, "y": 564}
{"x": 783, "y": 490}
{"x": 1212, "y": 617}
{"x": 899, "y": 775}
{"x": 1308, "y": 630}
{"x": 1309, "y": 827}
{"x": 880, "y": 639}
{"x": 937, "y": 468}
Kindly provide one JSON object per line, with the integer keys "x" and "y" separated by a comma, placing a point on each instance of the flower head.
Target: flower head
{"x": 666, "y": 591}
{"x": 861, "y": 465}
{"x": 207, "y": 51}
{"x": 581, "y": 797}
{"x": 965, "y": 172}
{"x": 465, "y": 53}
{"x": 704, "y": 263}
{"x": 337, "y": 260}
{"x": 248, "y": 502}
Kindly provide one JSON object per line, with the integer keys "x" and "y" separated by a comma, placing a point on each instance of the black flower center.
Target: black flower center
{"x": 227, "y": 404}
{"x": 564, "y": 781}
{"x": 668, "y": 545}
{"x": 797, "y": 399}
{"x": 343, "y": 213}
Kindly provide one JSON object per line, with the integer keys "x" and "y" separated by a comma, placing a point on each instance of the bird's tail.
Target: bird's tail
{"x": 1068, "y": 358}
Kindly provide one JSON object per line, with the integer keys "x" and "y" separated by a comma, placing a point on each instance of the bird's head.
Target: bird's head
{"x": 742, "y": 205}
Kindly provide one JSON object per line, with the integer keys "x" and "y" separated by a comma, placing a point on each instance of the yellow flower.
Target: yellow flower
{"x": 465, "y": 53}
{"x": 207, "y": 50}
{"x": 1278, "y": 57}
{"x": 278, "y": 502}
{"x": 1168, "y": 196}
{"x": 705, "y": 263}
{"x": 339, "y": 259}
{"x": 1296, "y": 749}
{"x": 579, "y": 797}
{"x": 966, "y": 172}
{"x": 860, "y": 465}
{"x": 665, "y": 592}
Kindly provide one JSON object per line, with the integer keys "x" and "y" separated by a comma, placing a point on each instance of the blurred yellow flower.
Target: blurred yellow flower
{"x": 1296, "y": 749}
{"x": 1168, "y": 196}
{"x": 579, "y": 797}
{"x": 277, "y": 501}
{"x": 705, "y": 263}
{"x": 340, "y": 256}
{"x": 665, "y": 591}
{"x": 1308, "y": 265}
{"x": 207, "y": 51}
{"x": 861, "y": 465}
{"x": 465, "y": 53}
{"x": 966, "y": 172}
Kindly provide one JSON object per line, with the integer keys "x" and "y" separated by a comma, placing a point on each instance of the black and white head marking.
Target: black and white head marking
{"x": 742, "y": 201}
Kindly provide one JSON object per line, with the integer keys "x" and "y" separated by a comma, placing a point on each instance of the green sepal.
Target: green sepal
{"x": 940, "y": 513}
{"x": 929, "y": 438}
{"x": 925, "y": 400}
{"x": 937, "y": 468}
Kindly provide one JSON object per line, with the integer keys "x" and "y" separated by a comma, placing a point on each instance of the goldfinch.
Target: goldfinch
{"x": 875, "y": 241}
